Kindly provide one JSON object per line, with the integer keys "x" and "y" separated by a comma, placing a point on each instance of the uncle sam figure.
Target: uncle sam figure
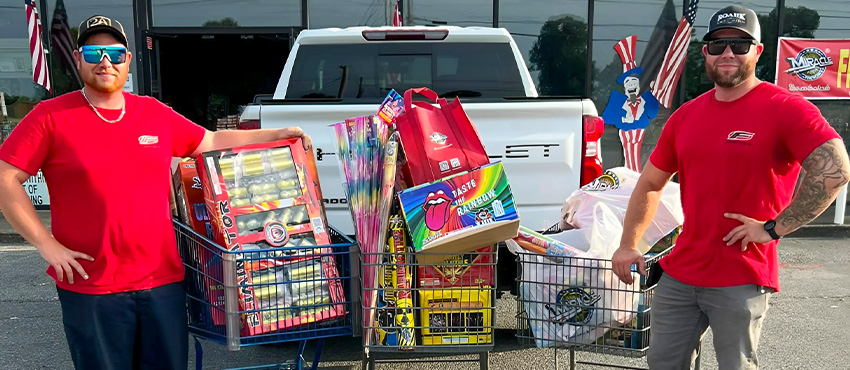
{"x": 630, "y": 112}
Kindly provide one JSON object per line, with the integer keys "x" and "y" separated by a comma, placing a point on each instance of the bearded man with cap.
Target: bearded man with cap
{"x": 739, "y": 150}
{"x": 106, "y": 157}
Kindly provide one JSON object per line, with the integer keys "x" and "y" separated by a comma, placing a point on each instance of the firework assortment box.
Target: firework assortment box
{"x": 461, "y": 270}
{"x": 456, "y": 316}
{"x": 264, "y": 200}
{"x": 460, "y": 213}
{"x": 189, "y": 194}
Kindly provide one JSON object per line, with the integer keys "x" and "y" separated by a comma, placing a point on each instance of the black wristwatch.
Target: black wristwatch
{"x": 770, "y": 227}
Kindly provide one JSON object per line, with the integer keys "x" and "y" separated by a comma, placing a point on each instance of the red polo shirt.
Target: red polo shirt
{"x": 741, "y": 157}
{"x": 109, "y": 186}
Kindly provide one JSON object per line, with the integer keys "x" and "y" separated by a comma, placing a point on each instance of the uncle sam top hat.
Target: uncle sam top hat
{"x": 626, "y": 49}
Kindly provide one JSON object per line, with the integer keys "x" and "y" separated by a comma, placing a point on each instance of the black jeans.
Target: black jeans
{"x": 144, "y": 329}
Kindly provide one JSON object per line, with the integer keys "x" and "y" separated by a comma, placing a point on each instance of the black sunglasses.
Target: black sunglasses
{"x": 739, "y": 46}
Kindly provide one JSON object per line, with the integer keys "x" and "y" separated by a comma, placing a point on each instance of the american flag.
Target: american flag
{"x": 397, "y": 14}
{"x": 63, "y": 44}
{"x": 39, "y": 59}
{"x": 674, "y": 59}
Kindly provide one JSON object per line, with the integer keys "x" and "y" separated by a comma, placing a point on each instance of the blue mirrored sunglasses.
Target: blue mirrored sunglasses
{"x": 94, "y": 54}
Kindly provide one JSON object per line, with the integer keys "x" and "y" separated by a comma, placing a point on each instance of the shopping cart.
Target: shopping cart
{"x": 296, "y": 294}
{"x": 448, "y": 309}
{"x": 579, "y": 304}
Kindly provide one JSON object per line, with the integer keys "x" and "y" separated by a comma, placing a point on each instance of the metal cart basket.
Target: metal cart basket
{"x": 252, "y": 297}
{"x": 579, "y": 304}
{"x": 444, "y": 306}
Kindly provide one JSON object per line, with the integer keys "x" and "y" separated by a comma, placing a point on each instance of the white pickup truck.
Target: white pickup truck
{"x": 549, "y": 146}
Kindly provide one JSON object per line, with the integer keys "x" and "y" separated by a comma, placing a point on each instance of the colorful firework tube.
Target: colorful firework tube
{"x": 401, "y": 283}
{"x": 387, "y": 186}
{"x": 551, "y": 246}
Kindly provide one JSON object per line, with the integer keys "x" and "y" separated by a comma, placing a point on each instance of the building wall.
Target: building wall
{"x": 553, "y": 36}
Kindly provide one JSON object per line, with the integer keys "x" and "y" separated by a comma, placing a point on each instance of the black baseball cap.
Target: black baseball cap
{"x": 98, "y": 24}
{"x": 734, "y": 17}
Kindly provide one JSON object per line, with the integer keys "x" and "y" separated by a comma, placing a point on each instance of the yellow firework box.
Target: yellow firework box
{"x": 456, "y": 316}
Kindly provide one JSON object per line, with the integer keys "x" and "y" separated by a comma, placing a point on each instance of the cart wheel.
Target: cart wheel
{"x": 484, "y": 360}
{"x": 367, "y": 364}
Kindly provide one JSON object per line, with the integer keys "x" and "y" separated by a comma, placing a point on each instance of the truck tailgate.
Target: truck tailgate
{"x": 539, "y": 143}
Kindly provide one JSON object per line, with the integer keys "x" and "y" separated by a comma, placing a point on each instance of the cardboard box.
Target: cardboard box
{"x": 191, "y": 205}
{"x": 264, "y": 201}
{"x": 460, "y": 213}
{"x": 456, "y": 316}
{"x": 264, "y": 196}
{"x": 462, "y": 270}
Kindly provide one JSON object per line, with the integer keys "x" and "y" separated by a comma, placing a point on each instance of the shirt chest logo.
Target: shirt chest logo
{"x": 740, "y": 136}
{"x": 148, "y": 140}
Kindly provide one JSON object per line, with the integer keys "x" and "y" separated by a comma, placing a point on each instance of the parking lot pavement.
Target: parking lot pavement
{"x": 805, "y": 328}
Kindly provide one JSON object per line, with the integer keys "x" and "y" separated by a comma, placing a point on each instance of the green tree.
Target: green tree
{"x": 224, "y": 22}
{"x": 560, "y": 56}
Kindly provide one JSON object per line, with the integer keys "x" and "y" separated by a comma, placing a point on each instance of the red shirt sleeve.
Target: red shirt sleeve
{"x": 664, "y": 156}
{"x": 186, "y": 135}
{"x": 29, "y": 143}
{"x": 803, "y": 127}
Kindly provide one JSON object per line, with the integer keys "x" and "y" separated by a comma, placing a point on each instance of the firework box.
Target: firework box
{"x": 264, "y": 196}
{"x": 460, "y": 213}
{"x": 265, "y": 205}
{"x": 462, "y": 270}
{"x": 189, "y": 194}
{"x": 459, "y": 316}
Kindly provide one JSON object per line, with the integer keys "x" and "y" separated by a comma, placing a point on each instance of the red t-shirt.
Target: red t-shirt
{"x": 108, "y": 185}
{"x": 740, "y": 157}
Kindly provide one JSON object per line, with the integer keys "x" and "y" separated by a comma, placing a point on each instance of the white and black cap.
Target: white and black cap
{"x": 98, "y": 24}
{"x": 734, "y": 17}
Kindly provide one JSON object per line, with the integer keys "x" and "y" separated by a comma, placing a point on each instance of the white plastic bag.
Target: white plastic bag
{"x": 599, "y": 209}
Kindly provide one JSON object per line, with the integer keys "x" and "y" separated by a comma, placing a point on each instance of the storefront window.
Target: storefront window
{"x": 467, "y": 13}
{"x": 335, "y": 13}
{"x": 226, "y": 13}
{"x": 21, "y": 93}
{"x": 552, "y": 37}
{"x": 653, "y": 22}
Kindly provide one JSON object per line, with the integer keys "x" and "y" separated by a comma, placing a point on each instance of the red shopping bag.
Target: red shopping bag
{"x": 437, "y": 141}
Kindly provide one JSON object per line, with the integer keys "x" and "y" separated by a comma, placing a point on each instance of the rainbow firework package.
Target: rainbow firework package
{"x": 392, "y": 107}
{"x": 460, "y": 213}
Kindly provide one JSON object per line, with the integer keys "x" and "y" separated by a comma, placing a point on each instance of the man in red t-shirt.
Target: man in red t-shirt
{"x": 738, "y": 150}
{"x": 106, "y": 157}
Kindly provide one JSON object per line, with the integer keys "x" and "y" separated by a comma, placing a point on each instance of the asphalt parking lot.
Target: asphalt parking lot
{"x": 806, "y": 327}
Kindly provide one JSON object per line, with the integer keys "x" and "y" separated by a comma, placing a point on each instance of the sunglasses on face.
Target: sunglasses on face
{"x": 94, "y": 54}
{"x": 739, "y": 46}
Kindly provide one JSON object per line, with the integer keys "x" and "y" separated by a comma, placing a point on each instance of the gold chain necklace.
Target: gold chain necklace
{"x": 123, "y": 106}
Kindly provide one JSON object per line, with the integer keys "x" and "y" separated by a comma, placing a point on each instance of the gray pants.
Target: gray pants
{"x": 682, "y": 313}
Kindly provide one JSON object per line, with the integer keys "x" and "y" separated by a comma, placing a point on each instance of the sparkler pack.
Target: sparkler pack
{"x": 264, "y": 201}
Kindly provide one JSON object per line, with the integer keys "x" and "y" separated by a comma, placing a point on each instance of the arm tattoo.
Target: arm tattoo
{"x": 825, "y": 171}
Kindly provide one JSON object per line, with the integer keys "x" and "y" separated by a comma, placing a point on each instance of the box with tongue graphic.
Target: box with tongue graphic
{"x": 460, "y": 213}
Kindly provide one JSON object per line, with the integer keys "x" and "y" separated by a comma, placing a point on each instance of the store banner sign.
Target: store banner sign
{"x": 36, "y": 189}
{"x": 816, "y": 69}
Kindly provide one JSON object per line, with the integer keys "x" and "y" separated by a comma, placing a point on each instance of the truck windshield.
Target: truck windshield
{"x": 365, "y": 73}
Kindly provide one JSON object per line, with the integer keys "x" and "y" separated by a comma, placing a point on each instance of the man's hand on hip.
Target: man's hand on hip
{"x": 750, "y": 231}
{"x": 64, "y": 261}
{"x": 622, "y": 262}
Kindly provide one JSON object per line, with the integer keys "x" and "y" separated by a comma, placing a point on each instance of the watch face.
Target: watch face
{"x": 770, "y": 224}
